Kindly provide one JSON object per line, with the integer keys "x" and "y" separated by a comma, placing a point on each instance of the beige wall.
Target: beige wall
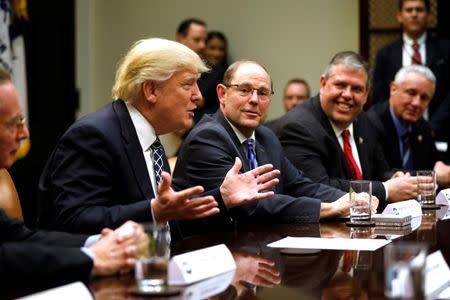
{"x": 291, "y": 38}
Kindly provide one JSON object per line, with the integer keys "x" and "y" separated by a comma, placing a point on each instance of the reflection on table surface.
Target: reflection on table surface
{"x": 265, "y": 273}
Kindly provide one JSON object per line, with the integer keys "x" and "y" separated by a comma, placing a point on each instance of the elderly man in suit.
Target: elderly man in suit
{"x": 41, "y": 259}
{"x": 330, "y": 139}
{"x": 234, "y": 131}
{"x": 110, "y": 165}
{"x": 417, "y": 47}
{"x": 404, "y": 135}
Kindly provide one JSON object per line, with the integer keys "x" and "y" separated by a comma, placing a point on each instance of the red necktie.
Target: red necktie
{"x": 416, "y": 59}
{"x": 352, "y": 166}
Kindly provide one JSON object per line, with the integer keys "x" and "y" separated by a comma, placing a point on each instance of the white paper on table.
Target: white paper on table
{"x": 71, "y": 291}
{"x": 329, "y": 243}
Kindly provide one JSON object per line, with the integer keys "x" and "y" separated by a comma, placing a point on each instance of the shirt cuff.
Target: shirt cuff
{"x": 91, "y": 240}
{"x": 386, "y": 191}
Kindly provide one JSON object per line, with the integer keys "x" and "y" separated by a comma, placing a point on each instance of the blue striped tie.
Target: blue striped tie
{"x": 158, "y": 162}
{"x": 251, "y": 155}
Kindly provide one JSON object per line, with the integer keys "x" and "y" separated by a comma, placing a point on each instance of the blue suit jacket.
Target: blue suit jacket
{"x": 207, "y": 154}
{"x": 96, "y": 176}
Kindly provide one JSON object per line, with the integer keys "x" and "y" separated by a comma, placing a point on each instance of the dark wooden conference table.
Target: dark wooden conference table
{"x": 265, "y": 273}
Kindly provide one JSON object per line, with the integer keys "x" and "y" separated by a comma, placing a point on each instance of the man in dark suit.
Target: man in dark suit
{"x": 40, "y": 259}
{"x": 330, "y": 139}
{"x": 404, "y": 135}
{"x": 110, "y": 166}
{"x": 433, "y": 52}
{"x": 234, "y": 131}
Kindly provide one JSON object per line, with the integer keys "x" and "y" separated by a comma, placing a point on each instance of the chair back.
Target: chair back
{"x": 9, "y": 199}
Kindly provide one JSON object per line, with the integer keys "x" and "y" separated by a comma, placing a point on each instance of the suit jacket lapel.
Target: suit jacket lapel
{"x": 397, "y": 57}
{"x": 133, "y": 149}
{"x": 431, "y": 52}
{"x": 391, "y": 135}
{"x": 235, "y": 141}
{"x": 360, "y": 142}
{"x": 325, "y": 122}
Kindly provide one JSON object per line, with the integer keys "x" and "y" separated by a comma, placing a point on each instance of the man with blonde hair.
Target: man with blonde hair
{"x": 110, "y": 165}
{"x": 32, "y": 259}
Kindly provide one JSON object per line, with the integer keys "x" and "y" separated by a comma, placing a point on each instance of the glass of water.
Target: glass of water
{"x": 426, "y": 188}
{"x": 360, "y": 211}
{"x": 153, "y": 253}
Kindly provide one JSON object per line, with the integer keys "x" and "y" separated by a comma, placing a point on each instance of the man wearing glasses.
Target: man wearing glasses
{"x": 110, "y": 165}
{"x": 234, "y": 131}
{"x": 34, "y": 260}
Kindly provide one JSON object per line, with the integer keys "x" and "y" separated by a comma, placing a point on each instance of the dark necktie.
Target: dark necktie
{"x": 416, "y": 59}
{"x": 158, "y": 161}
{"x": 351, "y": 163}
{"x": 251, "y": 156}
{"x": 407, "y": 155}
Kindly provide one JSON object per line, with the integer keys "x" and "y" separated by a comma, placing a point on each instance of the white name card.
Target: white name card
{"x": 437, "y": 274}
{"x": 72, "y": 291}
{"x": 200, "y": 264}
{"x": 404, "y": 208}
{"x": 443, "y": 197}
{"x": 208, "y": 287}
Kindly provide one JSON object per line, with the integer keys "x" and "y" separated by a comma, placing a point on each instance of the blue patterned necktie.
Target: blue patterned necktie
{"x": 251, "y": 156}
{"x": 158, "y": 154}
{"x": 407, "y": 155}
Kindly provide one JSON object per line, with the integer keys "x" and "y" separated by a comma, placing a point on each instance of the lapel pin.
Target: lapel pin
{"x": 419, "y": 138}
{"x": 361, "y": 140}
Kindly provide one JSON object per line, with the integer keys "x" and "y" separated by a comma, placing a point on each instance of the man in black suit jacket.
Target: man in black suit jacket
{"x": 104, "y": 170}
{"x": 213, "y": 145}
{"x": 411, "y": 92}
{"x": 414, "y": 15}
{"x": 312, "y": 133}
{"x": 40, "y": 259}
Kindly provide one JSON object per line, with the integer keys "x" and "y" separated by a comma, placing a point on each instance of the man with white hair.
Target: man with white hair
{"x": 403, "y": 132}
{"x": 110, "y": 165}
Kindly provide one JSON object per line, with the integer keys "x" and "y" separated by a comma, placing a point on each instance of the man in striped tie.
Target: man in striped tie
{"x": 110, "y": 167}
{"x": 417, "y": 46}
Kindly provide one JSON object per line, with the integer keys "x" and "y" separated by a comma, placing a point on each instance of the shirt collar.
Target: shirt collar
{"x": 338, "y": 131}
{"x": 145, "y": 131}
{"x": 409, "y": 42}
{"x": 401, "y": 130}
{"x": 239, "y": 135}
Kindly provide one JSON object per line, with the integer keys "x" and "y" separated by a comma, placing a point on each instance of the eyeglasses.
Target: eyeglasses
{"x": 17, "y": 123}
{"x": 246, "y": 90}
